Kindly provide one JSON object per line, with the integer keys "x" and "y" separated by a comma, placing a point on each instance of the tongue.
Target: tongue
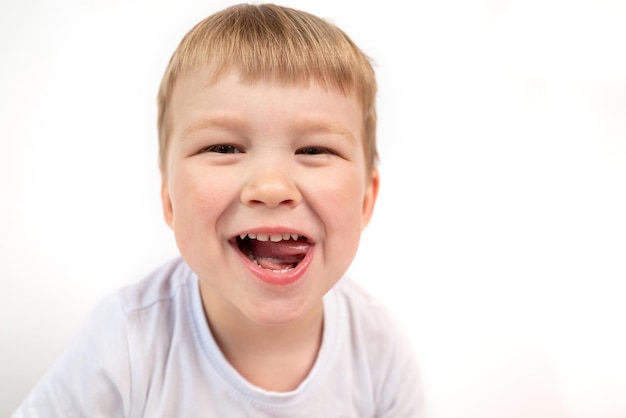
{"x": 278, "y": 255}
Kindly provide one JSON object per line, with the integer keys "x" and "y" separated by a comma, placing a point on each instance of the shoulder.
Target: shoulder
{"x": 365, "y": 310}
{"x": 124, "y": 312}
{"x": 161, "y": 286}
{"x": 375, "y": 333}
{"x": 374, "y": 330}
{"x": 106, "y": 358}
{"x": 388, "y": 356}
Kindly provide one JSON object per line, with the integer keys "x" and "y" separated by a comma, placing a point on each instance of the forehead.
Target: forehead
{"x": 198, "y": 95}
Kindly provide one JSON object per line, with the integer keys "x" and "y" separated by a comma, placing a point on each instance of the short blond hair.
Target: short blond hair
{"x": 270, "y": 41}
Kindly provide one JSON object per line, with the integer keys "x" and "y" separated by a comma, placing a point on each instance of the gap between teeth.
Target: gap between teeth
{"x": 271, "y": 237}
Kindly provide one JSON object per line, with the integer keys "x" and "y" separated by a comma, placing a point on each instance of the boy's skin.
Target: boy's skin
{"x": 267, "y": 152}
{"x": 266, "y": 158}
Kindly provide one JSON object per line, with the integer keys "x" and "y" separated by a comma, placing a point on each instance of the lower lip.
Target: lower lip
{"x": 277, "y": 279}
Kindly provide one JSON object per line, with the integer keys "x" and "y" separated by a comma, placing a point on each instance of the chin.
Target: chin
{"x": 283, "y": 313}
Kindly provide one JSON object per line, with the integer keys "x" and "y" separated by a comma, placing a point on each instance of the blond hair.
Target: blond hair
{"x": 266, "y": 40}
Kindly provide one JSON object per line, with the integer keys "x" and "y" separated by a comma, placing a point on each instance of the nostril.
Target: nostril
{"x": 271, "y": 192}
{"x": 271, "y": 203}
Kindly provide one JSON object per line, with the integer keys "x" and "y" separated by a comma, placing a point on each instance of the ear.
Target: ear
{"x": 166, "y": 202}
{"x": 369, "y": 199}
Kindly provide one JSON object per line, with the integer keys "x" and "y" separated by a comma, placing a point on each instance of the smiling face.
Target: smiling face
{"x": 266, "y": 190}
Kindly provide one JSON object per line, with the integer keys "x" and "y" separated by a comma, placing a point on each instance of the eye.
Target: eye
{"x": 222, "y": 149}
{"x": 314, "y": 151}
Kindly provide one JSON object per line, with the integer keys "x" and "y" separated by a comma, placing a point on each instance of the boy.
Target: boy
{"x": 267, "y": 156}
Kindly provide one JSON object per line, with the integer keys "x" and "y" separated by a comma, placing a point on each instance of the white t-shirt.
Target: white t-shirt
{"x": 146, "y": 351}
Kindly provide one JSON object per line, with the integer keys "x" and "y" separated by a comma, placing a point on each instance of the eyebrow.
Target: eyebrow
{"x": 322, "y": 126}
{"x": 302, "y": 127}
{"x": 223, "y": 121}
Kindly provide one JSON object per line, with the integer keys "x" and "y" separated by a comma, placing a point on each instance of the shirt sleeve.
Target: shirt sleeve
{"x": 92, "y": 376}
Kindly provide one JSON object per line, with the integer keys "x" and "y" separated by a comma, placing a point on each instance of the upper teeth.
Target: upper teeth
{"x": 270, "y": 237}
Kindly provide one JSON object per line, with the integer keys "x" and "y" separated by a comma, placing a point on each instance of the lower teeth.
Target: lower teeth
{"x": 283, "y": 270}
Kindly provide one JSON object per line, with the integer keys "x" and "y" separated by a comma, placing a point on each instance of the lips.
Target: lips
{"x": 276, "y": 253}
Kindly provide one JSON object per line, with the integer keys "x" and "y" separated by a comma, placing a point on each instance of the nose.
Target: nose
{"x": 271, "y": 187}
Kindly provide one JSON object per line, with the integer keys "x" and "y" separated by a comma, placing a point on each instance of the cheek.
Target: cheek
{"x": 201, "y": 191}
{"x": 342, "y": 223}
{"x": 198, "y": 201}
{"x": 342, "y": 201}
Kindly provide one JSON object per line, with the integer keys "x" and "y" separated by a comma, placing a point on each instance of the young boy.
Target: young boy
{"x": 268, "y": 160}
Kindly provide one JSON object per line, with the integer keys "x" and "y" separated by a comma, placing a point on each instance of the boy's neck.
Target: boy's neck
{"x": 273, "y": 357}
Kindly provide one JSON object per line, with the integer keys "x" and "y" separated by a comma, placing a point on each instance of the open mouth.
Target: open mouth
{"x": 279, "y": 253}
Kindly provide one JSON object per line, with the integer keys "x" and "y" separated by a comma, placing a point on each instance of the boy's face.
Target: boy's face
{"x": 266, "y": 192}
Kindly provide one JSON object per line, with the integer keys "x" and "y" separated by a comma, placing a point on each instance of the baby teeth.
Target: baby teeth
{"x": 271, "y": 237}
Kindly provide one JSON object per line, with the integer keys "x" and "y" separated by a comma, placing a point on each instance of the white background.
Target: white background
{"x": 500, "y": 234}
